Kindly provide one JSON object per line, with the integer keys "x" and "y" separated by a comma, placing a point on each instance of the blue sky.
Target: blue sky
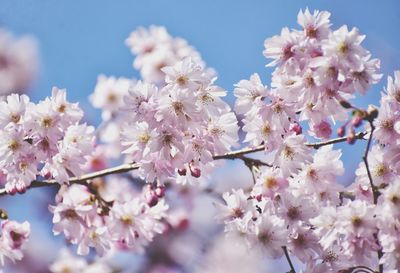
{"x": 80, "y": 39}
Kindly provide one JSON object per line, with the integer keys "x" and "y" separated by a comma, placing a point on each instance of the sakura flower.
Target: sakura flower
{"x": 70, "y": 112}
{"x": 71, "y": 213}
{"x": 13, "y": 239}
{"x": 140, "y": 99}
{"x": 177, "y": 105}
{"x": 15, "y": 234}
{"x": 292, "y": 153}
{"x": 280, "y": 47}
{"x": 223, "y": 132}
{"x": 393, "y": 88}
{"x": 347, "y": 46}
{"x": 249, "y": 93}
{"x": 108, "y": 94}
{"x": 269, "y": 235}
{"x": 131, "y": 225}
{"x": 269, "y": 183}
{"x": 137, "y": 138}
{"x": 316, "y": 25}
{"x": 185, "y": 74}
{"x": 13, "y": 109}
{"x": 385, "y": 131}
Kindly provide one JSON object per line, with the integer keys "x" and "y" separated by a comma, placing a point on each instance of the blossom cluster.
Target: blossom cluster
{"x": 297, "y": 205}
{"x": 109, "y": 216}
{"x": 45, "y": 139}
{"x": 155, "y": 48}
{"x": 173, "y": 123}
{"x": 317, "y": 69}
{"x": 18, "y": 62}
{"x": 174, "y": 127}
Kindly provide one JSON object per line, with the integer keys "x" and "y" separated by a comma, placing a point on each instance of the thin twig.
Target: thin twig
{"x": 133, "y": 166}
{"x": 374, "y": 189}
{"x": 292, "y": 270}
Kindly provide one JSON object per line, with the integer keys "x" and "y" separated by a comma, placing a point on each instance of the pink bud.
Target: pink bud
{"x": 351, "y": 138}
{"x": 195, "y": 172}
{"x": 47, "y": 175}
{"x": 151, "y": 199}
{"x": 182, "y": 172}
{"x": 295, "y": 127}
{"x": 160, "y": 191}
{"x": 183, "y": 224}
{"x": 356, "y": 121}
{"x": 11, "y": 191}
{"x": 341, "y": 131}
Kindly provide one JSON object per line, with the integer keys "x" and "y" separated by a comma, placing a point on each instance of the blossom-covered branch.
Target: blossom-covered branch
{"x": 239, "y": 154}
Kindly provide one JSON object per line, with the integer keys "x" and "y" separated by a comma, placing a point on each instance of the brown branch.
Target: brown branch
{"x": 374, "y": 189}
{"x": 292, "y": 270}
{"x": 239, "y": 154}
{"x": 82, "y": 179}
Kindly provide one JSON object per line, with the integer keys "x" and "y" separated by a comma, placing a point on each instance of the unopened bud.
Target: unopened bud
{"x": 151, "y": 199}
{"x": 195, "y": 172}
{"x": 182, "y": 172}
{"x": 160, "y": 191}
{"x": 356, "y": 121}
{"x": 351, "y": 138}
{"x": 295, "y": 127}
{"x": 47, "y": 175}
{"x": 341, "y": 131}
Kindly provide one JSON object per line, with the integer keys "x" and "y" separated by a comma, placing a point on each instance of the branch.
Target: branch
{"x": 292, "y": 270}
{"x": 335, "y": 140}
{"x": 82, "y": 179}
{"x": 374, "y": 189}
{"x": 239, "y": 154}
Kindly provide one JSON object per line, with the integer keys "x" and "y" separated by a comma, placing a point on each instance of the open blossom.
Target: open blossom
{"x": 109, "y": 93}
{"x": 13, "y": 239}
{"x": 248, "y": 93}
{"x": 292, "y": 154}
{"x": 316, "y": 25}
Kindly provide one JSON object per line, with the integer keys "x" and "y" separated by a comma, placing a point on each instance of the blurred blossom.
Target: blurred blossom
{"x": 18, "y": 63}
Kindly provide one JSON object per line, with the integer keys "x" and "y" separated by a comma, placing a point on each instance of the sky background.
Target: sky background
{"x": 79, "y": 40}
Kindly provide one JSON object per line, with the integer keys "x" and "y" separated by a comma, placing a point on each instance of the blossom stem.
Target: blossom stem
{"x": 374, "y": 189}
{"x": 239, "y": 154}
{"x": 292, "y": 270}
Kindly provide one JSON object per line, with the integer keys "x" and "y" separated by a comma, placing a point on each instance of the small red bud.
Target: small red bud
{"x": 351, "y": 138}
{"x": 152, "y": 199}
{"x": 160, "y": 191}
{"x": 356, "y": 121}
{"x": 47, "y": 175}
{"x": 182, "y": 172}
{"x": 341, "y": 131}
{"x": 295, "y": 127}
{"x": 195, "y": 172}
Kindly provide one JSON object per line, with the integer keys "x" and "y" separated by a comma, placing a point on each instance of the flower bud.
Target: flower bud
{"x": 356, "y": 121}
{"x": 195, "y": 172}
{"x": 160, "y": 191}
{"x": 341, "y": 131}
{"x": 296, "y": 128}
{"x": 182, "y": 172}
{"x": 151, "y": 199}
{"x": 351, "y": 138}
